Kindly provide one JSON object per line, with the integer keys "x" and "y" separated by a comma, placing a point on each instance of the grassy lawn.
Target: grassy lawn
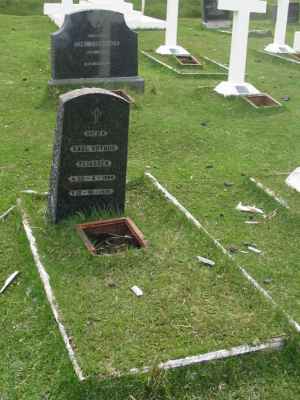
{"x": 193, "y": 141}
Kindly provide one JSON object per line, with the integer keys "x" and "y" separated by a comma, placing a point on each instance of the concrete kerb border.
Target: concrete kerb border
{"x": 194, "y": 74}
{"x": 272, "y": 344}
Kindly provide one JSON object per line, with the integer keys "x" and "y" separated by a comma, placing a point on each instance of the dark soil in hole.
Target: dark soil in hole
{"x": 262, "y": 101}
{"x": 109, "y": 243}
{"x": 111, "y": 236}
{"x": 187, "y": 60}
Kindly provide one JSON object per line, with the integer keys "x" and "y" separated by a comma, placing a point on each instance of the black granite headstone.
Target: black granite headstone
{"x": 90, "y": 153}
{"x": 95, "y": 46}
{"x": 210, "y": 12}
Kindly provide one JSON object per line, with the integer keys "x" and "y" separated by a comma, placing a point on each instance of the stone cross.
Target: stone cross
{"x": 170, "y": 46}
{"x": 236, "y": 86}
{"x": 67, "y": 6}
{"x": 279, "y": 45}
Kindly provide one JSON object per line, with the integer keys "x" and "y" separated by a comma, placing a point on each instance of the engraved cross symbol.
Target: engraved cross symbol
{"x": 97, "y": 115}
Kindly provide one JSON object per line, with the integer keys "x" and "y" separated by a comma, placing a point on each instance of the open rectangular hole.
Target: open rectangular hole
{"x": 261, "y": 100}
{"x": 188, "y": 60}
{"x": 111, "y": 236}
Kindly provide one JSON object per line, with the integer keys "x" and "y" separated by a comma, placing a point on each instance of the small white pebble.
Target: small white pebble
{"x": 137, "y": 291}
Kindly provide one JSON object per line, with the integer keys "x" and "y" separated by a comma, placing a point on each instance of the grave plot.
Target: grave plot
{"x": 262, "y": 242}
{"x": 186, "y": 309}
{"x": 190, "y": 65}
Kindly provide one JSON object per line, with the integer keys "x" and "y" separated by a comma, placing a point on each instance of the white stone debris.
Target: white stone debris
{"x": 137, "y": 291}
{"x": 206, "y": 261}
{"x": 254, "y": 250}
{"x": 34, "y": 193}
{"x": 9, "y": 281}
{"x": 293, "y": 180}
{"x": 4, "y": 215}
{"x": 249, "y": 209}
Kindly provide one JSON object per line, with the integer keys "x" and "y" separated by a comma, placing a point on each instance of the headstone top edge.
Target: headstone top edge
{"x": 86, "y": 91}
{"x": 68, "y": 17}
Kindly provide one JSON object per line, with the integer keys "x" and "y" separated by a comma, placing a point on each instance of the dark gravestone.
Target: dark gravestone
{"x": 293, "y": 15}
{"x": 90, "y": 153}
{"x": 214, "y": 18}
{"x": 95, "y": 47}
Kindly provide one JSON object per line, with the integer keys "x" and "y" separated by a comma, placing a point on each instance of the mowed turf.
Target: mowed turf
{"x": 187, "y": 308}
{"x": 193, "y": 141}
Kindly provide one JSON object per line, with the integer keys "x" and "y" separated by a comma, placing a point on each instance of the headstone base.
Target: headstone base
{"x": 217, "y": 24}
{"x": 135, "y": 82}
{"x": 276, "y": 48}
{"x": 234, "y": 89}
{"x": 172, "y": 50}
{"x": 293, "y": 180}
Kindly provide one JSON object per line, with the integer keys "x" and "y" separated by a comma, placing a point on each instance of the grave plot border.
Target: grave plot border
{"x": 169, "y": 197}
{"x": 282, "y": 202}
{"x": 195, "y": 74}
{"x": 280, "y": 57}
{"x": 273, "y": 344}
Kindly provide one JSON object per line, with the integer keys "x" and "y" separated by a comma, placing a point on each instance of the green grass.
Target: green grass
{"x": 114, "y": 331}
{"x": 193, "y": 141}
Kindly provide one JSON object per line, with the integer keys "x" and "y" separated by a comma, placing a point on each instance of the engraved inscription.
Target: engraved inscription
{"x": 91, "y": 192}
{"x": 92, "y": 178}
{"x": 96, "y": 43}
{"x": 94, "y": 164}
{"x": 97, "y": 148}
{"x": 95, "y": 133}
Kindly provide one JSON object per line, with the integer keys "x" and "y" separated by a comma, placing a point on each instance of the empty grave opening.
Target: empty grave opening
{"x": 112, "y": 236}
{"x": 188, "y": 60}
{"x": 261, "y": 100}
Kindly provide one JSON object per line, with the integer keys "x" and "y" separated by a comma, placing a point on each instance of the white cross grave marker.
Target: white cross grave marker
{"x": 67, "y": 6}
{"x": 170, "y": 46}
{"x": 279, "y": 45}
{"x": 236, "y": 85}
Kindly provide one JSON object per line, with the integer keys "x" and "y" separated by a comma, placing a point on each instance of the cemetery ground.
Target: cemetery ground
{"x": 203, "y": 149}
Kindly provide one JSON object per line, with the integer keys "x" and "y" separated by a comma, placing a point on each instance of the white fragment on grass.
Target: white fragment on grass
{"x": 293, "y": 180}
{"x": 4, "y": 215}
{"x": 137, "y": 291}
{"x": 244, "y": 251}
{"x": 9, "y": 281}
{"x": 206, "y": 261}
{"x": 250, "y": 209}
{"x": 34, "y": 193}
{"x": 252, "y": 222}
{"x": 254, "y": 250}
